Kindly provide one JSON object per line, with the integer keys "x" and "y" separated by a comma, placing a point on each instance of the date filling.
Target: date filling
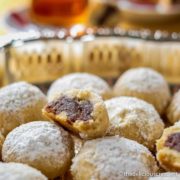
{"x": 75, "y": 109}
{"x": 173, "y": 141}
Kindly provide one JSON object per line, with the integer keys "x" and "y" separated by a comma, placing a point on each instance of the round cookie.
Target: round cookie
{"x": 146, "y": 84}
{"x": 1, "y": 143}
{"x": 40, "y": 144}
{"x": 80, "y": 111}
{"x": 134, "y": 119}
{"x": 20, "y": 103}
{"x": 113, "y": 158}
{"x": 166, "y": 176}
{"x": 168, "y": 148}
{"x": 17, "y": 171}
{"x": 173, "y": 110}
{"x": 79, "y": 81}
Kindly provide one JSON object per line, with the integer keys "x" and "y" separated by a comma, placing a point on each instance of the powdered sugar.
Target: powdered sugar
{"x": 17, "y": 171}
{"x": 146, "y": 84}
{"x": 20, "y": 103}
{"x": 37, "y": 142}
{"x": 19, "y": 95}
{"x": 79, "y": 81}
{"x": 134, "y": 118}
{"x": 113, "y": 157}
{"x": 34, "y": 140}
{"x": 143, "y": 80}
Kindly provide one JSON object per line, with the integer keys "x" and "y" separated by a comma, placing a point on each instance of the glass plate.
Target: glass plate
{"x": 41, "y": 57}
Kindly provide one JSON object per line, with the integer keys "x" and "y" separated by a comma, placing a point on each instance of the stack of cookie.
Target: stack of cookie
{"x": 86, "y": 129}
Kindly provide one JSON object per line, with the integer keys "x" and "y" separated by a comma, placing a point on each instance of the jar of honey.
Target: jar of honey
{"x": 59, "y": 12}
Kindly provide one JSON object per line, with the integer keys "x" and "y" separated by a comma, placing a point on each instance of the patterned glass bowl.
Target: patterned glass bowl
{"x": 42, "y": 57}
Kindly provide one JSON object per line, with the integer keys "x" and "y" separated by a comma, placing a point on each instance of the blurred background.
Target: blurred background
{"x": 24, "y": 15}
{"x": 43, "y": 60}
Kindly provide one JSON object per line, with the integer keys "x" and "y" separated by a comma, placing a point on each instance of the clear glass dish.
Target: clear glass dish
{"x": 42, "y": 57}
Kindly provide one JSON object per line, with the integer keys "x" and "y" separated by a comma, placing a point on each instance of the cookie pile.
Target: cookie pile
{"x": 86, "y": 129}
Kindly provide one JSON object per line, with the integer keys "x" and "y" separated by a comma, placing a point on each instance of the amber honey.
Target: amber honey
{"x": 59, "y": 12}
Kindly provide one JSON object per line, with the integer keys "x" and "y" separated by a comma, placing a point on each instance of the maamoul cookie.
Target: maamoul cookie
{"x": 1, "y": 143}
{"x": 17, "y": 171}
{"x": 113, "y": 158}
{"x": 20, "y": 103}
{"x": 168, "y": 148}
{"x": 40, "y": 144}
{"x": 79, "y": 81}
{"x": 173, "y": 110}
{"x": 81, "y": 111}
{"x": 134, "y": 119}
{"x": 166, "y": 176}
{"x": 146, "y": 84}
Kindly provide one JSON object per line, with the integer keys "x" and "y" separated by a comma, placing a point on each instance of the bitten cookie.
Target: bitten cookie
{"x": 134, "y": 119}
{"x": 42, "y": 145}
{"x": 113, "y": 158}
{"x": 146, "y": 84}
{"x": 166, "y": 176}
{"x": 168, "y": 148}
{"x": 20, "y": 103}
{"x": 80, "y": 111}
{"x": 173, "y": 111}
{"x": 1, "y": 143}
{"x": 79, "y": 81}
{"x": 17, "y": 171}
